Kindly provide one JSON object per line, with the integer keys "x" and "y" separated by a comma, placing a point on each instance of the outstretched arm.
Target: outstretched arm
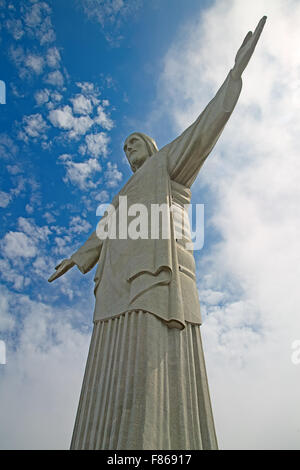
{"x": 61, "y": 269}
{"x": 246, "y": 50}
{"x": 187, "y": 153}
{"x": 84, "y": 258}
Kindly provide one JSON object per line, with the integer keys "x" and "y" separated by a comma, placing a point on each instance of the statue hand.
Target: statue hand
{"x": 246, "y": 50}
{"x": 61, "y": 269}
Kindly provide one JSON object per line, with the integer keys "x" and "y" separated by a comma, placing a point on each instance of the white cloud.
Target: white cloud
{"x": 7, "y": 320}
{"x": 55, "y": 78}
{"x": 81, "y": 117}
{"x": 20, "y": 186}
{"x": 8, "y": 148}
{"x": 13, "y": 169}
{"x": 81, "y": 174}
{"x": 41, "y": 266}
{"x": 251, "y": 181}
{"x": 80, "y": 126}
{"x": 17, "y": 55}
{"x": 15, "y": 27}
{"x": 56, "y": 96}
{"x": 12, "y": 276}
{"x": 110, "y": 13}
{"x": 42, "y": 96}
{"x": 34, "y": 62}
{"x": 29, "y": 209}
{"x": 34, "y": 15}
{"x": 63, "y": 118}
{"x": 97, "y": 144}
{"x": 18, "y": 244}
{"x": 28, "y": 63}
{"x": 34, "y": 231}
{"x": 64, "y": 157}
{"x": 76, "y": 126}
{"x": 90, "y": 91}
{"x": 112, "y": 175}
{"x": 46, "y": 362}
{"x": 105, "y": 10}
{"x": 53, "y": 57}
{"x": 103, "y": 196}
{"x": 82, "y": 149}
{"x": 79, "y": 225}
{"x": 16, "y": 91}
{"x": 18, "y": 249}
{"x": 5, "y": 199}
{"x": 49, "y": 217}
{"x": 38, "y": 22}
{"x": 62, "y": 245}
{"x": 81, "y": 105}
{"x": 34, "y": 126}
{"x": 87, "y": 88}
{"x": 103, "y": 119}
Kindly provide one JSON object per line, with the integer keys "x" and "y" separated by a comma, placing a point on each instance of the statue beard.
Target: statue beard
{"x": 135, "y": 164}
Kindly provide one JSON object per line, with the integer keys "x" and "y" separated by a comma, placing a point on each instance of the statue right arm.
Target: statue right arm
{"x": 88, "y": 254}
{"x": 85, "y": 258}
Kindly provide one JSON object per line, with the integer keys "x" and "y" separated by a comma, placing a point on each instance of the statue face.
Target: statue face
{"x": 136, "y": 151}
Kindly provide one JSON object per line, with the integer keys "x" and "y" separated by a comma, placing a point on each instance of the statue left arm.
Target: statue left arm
{"x": 187, "y": 153}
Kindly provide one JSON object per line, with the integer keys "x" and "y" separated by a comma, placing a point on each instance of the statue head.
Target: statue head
{"x": 138, "y": 147}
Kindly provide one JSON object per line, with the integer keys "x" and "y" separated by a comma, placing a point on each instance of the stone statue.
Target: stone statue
{"x": 145, "y": 383}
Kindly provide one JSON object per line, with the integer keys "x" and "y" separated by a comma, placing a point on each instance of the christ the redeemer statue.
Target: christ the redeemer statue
{"x": 145, "y": 383}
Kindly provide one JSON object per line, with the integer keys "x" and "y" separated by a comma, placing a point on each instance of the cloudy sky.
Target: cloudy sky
{"x": 80, "y": 76}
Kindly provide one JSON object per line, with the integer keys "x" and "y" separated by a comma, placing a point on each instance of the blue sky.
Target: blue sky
{"x": 80, "y": 77}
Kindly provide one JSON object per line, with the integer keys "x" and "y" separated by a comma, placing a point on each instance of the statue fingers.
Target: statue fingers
{"x": 53, "y": 277}
{"x": 258, "y": 30}
{"x": 61, "y": 269}
{"x": 247, "y": 37}
{"x": 59, "y": 272}
{"x": 60, "y": 265}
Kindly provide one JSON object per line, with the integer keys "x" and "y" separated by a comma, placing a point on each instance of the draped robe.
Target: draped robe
{"x": 145, "y": 383}
{"x": 158, "y": 276}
